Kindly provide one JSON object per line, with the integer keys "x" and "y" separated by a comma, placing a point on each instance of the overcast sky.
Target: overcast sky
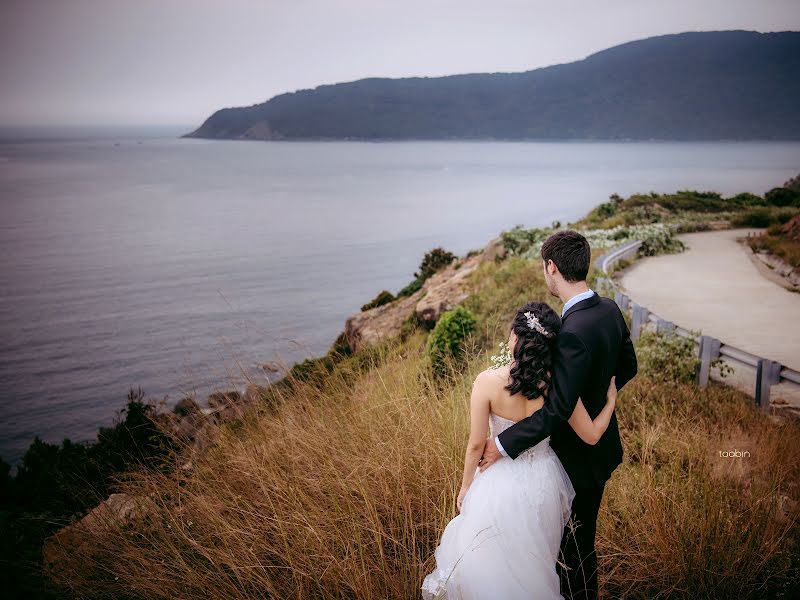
{"x": 177, "y": 61}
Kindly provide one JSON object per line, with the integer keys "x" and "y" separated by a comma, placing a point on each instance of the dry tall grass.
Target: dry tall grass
{"x": 342, "y": 490}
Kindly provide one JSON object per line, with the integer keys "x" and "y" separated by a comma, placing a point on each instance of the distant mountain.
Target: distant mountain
{"x": 730, "y": 85}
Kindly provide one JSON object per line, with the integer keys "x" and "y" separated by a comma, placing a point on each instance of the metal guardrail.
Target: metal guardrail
{"x": 768, "y": 372}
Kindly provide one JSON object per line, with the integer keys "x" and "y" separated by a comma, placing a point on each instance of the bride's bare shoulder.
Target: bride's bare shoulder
{"x": 492, "y": 378}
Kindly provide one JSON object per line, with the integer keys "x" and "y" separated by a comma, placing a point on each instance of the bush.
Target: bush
{"x": 757, "y": 217}
{"x": 781, "y": 196}
{"x": 748, "y": 199}
{"x": 672, "y": 358}
{"x": 604, "y": 210}
{"x": 433, "y": 261}
{"x": 668, "y": 357}
{"x": 447, "y": 338}
{"x": 385, "y": 297}
{"x": 340, "y": 347}
{"x": 682, "y": 200}
{"x": 411, "y": 325}
{"x": 412, "y": 287}
{"x": 660, "y": 241}
{"x": 692, "y": 227}
{"x": 519, "y": 240}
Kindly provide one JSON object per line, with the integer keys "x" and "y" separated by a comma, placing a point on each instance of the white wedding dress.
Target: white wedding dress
{"x": 505, "y": 542}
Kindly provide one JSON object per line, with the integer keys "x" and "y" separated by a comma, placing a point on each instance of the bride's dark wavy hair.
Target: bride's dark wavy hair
{"x": 533, "y": 352}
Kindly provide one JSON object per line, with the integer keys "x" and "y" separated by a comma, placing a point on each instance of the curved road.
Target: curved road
{"x": 714, "y": 287}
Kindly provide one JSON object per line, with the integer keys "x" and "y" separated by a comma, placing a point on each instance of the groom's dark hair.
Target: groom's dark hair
{"x": 570, "y": 251}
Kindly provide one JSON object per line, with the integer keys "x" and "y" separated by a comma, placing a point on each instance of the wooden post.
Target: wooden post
{"x": 665, "y": 327}
{"x": 768, "y": 373}
{"x": 638, "y": 320}
{"x": 709, "y": 351}
{"x": 759, "y": 384}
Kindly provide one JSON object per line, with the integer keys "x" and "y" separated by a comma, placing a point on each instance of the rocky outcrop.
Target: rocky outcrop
{"x": 446, "y": 290}
{"x": 441, "y": 292}
{"x": 197, "y": 427}
{"x": 494, "y": 250}
{"x": 369, "y": 327}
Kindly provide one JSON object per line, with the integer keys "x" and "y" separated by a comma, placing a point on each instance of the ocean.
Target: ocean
{"x": 140, "y": 259}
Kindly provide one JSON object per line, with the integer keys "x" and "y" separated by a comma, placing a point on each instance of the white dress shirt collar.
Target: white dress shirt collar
{"x": 574, "y": 300}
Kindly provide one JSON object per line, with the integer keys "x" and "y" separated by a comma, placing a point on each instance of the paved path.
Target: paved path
{"x": 714, "y": 287}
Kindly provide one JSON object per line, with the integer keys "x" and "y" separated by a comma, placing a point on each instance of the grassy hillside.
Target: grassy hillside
{"x": 690, "y": 210}
{"x": 340, "y": 484}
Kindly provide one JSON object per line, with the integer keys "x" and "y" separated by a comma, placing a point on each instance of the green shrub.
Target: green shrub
{"x": 447, "y": 338}
{"x": 756, "y": 217}
{"x": 782, "y": 196}
{"x": 435, "y": 260}
{"x": 774, "y": 229}
{"x": 682, "y": 200}
{"x": 412, "y": 324}
{"x": 519, "y": 240}
{"x": 603, "y": 211}
{"x": 672, "y": 357}
{"x": 385, "y": 297}
{"x": 747, "y": 199}
{"x": 660, "y": 241}
{"x": 412, "y": 287}
{"x": 692, "y": 227}
{"x": 312, "y": 369}
{"x": 668, "y": 357}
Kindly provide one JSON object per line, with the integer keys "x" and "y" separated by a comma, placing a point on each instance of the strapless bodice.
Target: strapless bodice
{"x": 498, "y": 424}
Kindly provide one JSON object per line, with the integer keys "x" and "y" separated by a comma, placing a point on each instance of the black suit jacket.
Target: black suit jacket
{"x": 594, "y": 343}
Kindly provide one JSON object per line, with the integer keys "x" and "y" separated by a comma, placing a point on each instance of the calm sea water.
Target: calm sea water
{"x": 175, "y": 265}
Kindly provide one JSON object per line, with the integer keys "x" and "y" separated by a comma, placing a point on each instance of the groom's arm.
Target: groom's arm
{"x": 571, "y": 363}
{"x": 627, "y": 365}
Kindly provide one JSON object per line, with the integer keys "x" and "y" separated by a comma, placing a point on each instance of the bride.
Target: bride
{"x": 506, "y": 539}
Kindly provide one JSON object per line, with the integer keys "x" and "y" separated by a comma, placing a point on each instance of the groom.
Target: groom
{"x": 593, "y": 345}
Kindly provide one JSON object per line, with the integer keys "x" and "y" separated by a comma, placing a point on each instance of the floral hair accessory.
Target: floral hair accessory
{"x": 534, "y": 323}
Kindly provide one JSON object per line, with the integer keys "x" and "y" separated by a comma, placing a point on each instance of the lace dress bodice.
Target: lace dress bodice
{"x": 498, "y": 424}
